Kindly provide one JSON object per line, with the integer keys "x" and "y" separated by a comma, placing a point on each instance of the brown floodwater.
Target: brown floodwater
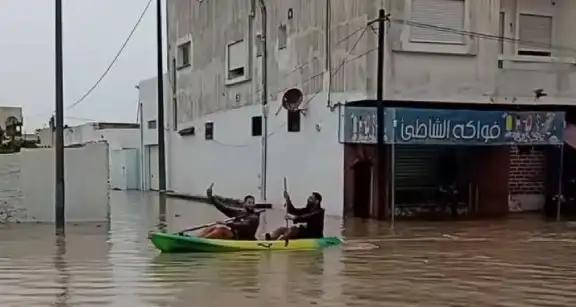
{"x": 520, "y": 261}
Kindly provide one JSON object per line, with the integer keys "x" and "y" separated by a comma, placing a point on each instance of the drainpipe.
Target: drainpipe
{"x": 141, "y": 122}
{"x": 264, "y": 101}
{"x": 329, "y": 51}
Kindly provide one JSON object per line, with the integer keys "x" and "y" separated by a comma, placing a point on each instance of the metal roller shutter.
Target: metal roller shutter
{"x": 416, "y": 167}
{"x": 440, "y": 13}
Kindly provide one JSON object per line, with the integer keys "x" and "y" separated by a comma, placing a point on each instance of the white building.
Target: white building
{"x": 123, "y": 144}
{"x": 446, "y": 54}
{"x": 148, "y": 97}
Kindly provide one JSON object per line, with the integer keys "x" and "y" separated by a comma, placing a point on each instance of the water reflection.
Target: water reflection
{"x": 521, "y": 261}
{"x": 61, "y": 266}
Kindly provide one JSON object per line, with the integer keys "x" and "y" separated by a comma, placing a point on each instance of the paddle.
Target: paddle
{"x": 206, "y": 226}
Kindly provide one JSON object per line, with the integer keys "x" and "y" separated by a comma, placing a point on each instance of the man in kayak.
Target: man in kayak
{"x": 310, "y": 218}
{"x": 244, "y": 224}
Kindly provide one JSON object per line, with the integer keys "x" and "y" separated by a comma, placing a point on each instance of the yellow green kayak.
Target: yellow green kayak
{"x": 175, "y": 243}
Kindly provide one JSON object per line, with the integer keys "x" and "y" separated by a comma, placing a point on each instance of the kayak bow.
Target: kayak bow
{"x": 175, "y": 243}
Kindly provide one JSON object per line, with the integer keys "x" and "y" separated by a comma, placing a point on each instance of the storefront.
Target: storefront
{"x": 440, "y": 162}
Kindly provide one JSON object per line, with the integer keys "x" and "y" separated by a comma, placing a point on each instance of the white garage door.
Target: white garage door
{"x": 153, "y": 168}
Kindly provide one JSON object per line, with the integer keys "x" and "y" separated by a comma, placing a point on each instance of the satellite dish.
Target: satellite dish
{"x": 292, "y": 99}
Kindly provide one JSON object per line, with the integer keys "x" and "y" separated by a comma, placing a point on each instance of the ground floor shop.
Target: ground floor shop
{"x": 449, "y": 162}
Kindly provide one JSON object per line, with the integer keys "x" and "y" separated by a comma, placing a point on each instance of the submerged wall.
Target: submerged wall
{"x": 27, "y": 181}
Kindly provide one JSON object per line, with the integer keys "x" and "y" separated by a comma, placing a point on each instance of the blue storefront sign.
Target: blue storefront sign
{"x": 467, "y": 127}
{"x": 359, "y": 125}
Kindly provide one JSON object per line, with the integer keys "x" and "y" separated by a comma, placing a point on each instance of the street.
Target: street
{"x": 510, "y": 262}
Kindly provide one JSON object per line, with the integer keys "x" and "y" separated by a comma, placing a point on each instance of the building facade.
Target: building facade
{"x": 123, "y": 141}
{"x": 148, "y": 102}
{"x": 451, "y": 59}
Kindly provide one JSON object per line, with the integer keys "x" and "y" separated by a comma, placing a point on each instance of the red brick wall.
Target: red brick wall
{"x": 527, "y": 171}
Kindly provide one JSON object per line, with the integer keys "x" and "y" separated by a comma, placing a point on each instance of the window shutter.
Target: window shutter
{"x": 237, "y": 55}
{"x": 537, "y": 29}
{"x": 440, "y": 13}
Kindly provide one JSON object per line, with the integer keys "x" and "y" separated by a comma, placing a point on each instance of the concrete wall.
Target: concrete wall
{"x": 10, "y": 187}
{"x": 210, "y": 25}
{"x": 86, "y": 178}
{"x": 311, "y": 160}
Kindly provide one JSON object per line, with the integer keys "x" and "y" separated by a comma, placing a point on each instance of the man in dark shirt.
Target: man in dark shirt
{"x": 310, "y": 218}
{"x": 244, "y": 224}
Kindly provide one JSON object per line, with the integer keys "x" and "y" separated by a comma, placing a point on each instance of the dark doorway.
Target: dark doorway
{"x": 362, "y": 189}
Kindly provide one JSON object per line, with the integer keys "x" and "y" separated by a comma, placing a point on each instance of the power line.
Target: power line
{"x": 350, "y": 51}
{"x": 484, "y": 35}
{"x": 114, "y": 60}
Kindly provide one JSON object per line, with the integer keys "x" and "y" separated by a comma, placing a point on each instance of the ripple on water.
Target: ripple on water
{"x": 474, "y": 263}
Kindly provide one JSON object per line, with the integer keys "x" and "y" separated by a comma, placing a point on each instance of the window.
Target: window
{"x": 152, "y": 124}
{"x": 184, "y": 54}
{"x": 294, "y": 121}
{"x": 209, "y": 131}
{"x": 237, "y": 60}
{"x": 256, "y": 125}
{"x": 537, "y": 30}
{"x": 282, "y": 37}
{"x": 439, "y": 13}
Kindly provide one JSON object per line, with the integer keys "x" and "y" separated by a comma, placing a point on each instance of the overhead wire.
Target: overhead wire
{"x": 116, "y": 57}
{"x": 484, "y": 35}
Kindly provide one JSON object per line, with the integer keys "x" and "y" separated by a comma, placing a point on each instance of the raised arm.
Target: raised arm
{"x": 290, "y": 207}
{"x": 222, "y": 207}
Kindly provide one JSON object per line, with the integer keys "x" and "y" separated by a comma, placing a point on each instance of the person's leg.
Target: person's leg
{"x": 276, "y": 234}
{"x": 206, "y": 231}
{"x": 223, "y": 233}
{"x": 290, "y": 233}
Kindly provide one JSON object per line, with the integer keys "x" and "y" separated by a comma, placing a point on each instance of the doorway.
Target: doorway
{"x": 363, "y": 183}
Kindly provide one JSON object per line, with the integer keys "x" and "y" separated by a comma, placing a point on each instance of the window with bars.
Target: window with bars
{"x": 432, "y": 16}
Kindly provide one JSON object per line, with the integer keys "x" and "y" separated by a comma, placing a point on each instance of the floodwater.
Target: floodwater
{"x": 521, "y": 261}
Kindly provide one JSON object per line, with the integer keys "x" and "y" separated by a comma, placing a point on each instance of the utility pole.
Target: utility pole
{"x": 382, "y": 18}
{"x": 59, "y": 121}
{"x": 161, "y": 144}
{"x": 380, "y": 77}
{"x": 264, "y": 101}
{"x": 160, "y": 126}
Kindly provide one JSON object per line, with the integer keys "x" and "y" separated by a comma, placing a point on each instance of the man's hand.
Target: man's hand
{"x": 289, "y": 217}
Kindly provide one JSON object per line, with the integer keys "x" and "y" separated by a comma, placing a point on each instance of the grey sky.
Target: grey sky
{"x": 93, "y": 31}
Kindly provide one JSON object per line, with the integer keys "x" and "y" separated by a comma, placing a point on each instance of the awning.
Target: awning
{"x": 570, "y": 135}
